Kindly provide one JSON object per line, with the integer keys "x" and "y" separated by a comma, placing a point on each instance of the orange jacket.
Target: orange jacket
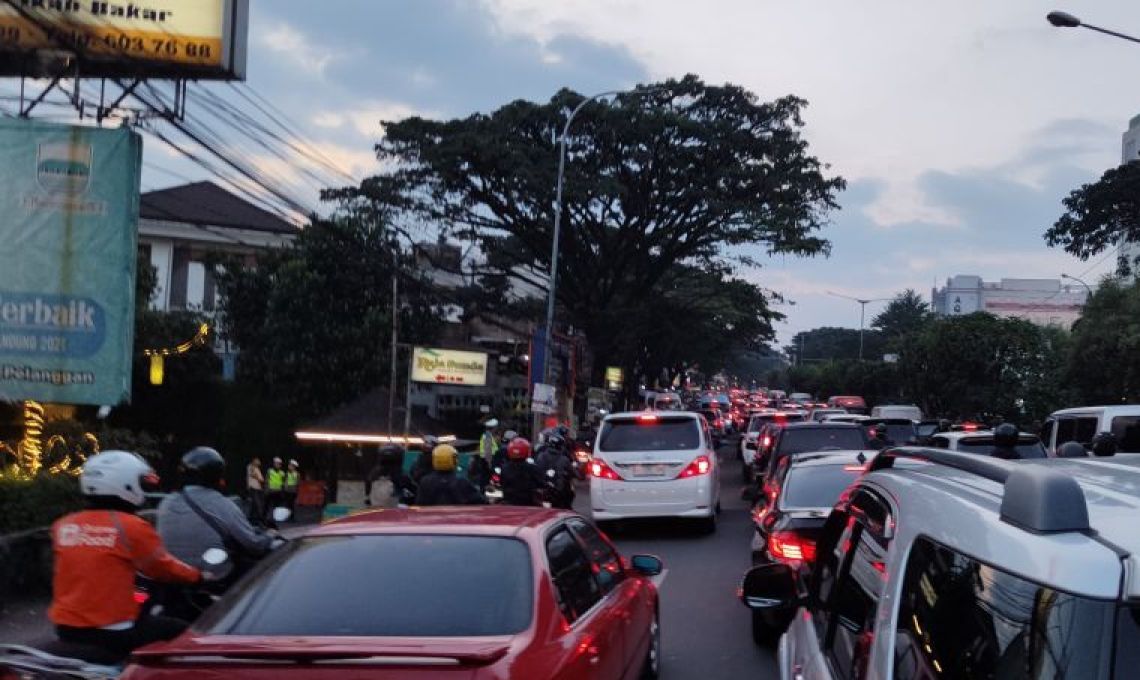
{"x": 97, "y": 553}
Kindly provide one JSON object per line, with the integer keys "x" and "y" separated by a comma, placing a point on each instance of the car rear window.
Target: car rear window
{"x": 1127, "y": 431}
{"x": 822, "y": 439}
{"x": 390, "y": 585}
{"x": 658, "y": 434}
{"x": 1026, "y": 448}
{"x": 817, "y": 486}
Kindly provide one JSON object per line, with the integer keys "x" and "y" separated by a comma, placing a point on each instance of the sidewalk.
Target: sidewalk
{"x": 24, "y": 622}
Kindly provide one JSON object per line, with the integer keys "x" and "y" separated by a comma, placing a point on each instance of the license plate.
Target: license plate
{"x": 650, "y": 470}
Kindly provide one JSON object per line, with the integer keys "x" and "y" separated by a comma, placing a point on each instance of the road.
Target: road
{"x": 705, "y": 629}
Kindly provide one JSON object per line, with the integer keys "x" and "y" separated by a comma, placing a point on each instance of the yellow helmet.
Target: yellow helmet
{"x": 444, "y": 458}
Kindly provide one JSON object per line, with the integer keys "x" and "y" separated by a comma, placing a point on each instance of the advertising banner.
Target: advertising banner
{"x": 69, "y": 223}
{"x": 449, "y": 367}
{"x": 201, "y": 38}
{"x": 545, "y": 399}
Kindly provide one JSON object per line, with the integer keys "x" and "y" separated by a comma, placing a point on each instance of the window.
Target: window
{"x": 383, "y": 585}
{"x": 1066, "y": 428}
{"x": 606, "y": 562}
{"x": 1086, "y": 429}
{"x": 1127, "y": 431}
{"x": 832, "y": 550}
{"x": 940, "y": 442}
{"x": 960, "y": 618}
{"x": 657, "y": 434}
{"x": 817, "y": 486}
{"x": 571, "y": 571}
{"x": 1047, "y": 432}
{"x": 822, "y": 439}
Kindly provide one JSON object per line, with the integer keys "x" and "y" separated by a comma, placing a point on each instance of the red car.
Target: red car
{"x": 449, "y": 592}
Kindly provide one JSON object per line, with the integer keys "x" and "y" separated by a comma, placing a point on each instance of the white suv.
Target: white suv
{"x": 939, "y": 564}
{"x": 655, "y": 464}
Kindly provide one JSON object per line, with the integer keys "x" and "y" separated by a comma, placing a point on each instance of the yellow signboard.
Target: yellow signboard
{"x": 199, "y": 36}
{"x": 449, "y": 367}
{"x": 615, "y": 377}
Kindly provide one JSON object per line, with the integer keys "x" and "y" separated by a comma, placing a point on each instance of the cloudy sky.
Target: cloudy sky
{"x": 960, "y": 125}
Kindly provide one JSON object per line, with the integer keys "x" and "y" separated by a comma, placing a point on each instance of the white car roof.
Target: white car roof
{"x": 1109, "y": 411}
{"x": 955, "y": 436}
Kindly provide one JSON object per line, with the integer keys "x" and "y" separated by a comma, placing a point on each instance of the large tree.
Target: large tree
{"x": 313, "y": 320}
{"x": 1104, "y": 365}
{"x": 1101, "y": 215}
{"x": 904, "y": 315}
{"x": 678, "y": 173}
{"x": 830, "y": 343}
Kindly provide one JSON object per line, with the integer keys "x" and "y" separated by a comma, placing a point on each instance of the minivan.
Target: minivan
{"x": 1083, "y": 423}
{"x": 910, "y": 412}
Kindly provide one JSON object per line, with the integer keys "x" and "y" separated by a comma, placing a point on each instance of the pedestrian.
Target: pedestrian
{"x": 489, "y": 442}
{"x": 275, "y": 485}
{"x": 255, "y": 491}
{"x": 387, "y": 486}
{"x": 292, "y": 481}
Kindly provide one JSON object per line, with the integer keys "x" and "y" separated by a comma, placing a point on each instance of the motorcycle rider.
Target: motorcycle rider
{"x": 97, "y": 553}
{"x": 441, "y": 486}
{"x": 199, "y": 517}
{"x": 1005, "y": 442}
{"x": 1103, "y": 444}
{"x": 552, "y": 456}
{"x": 1072, "y": 450}
{"x": 521, "y": 478}
{"x": 880, "y": 440}
{"x": 387, "y": 486}
{"x": 500, "y": 456}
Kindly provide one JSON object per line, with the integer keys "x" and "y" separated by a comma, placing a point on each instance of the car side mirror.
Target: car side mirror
{"x": 647, "y": 565}
{"x": 770, "y": 586}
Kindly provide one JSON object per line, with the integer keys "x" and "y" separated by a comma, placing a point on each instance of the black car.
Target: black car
{"x": 790, "y": 514}
{"x": 810, "y": 437}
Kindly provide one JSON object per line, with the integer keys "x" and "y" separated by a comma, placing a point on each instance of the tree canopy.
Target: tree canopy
{"x": 1101, "y": 215}
{"x": 830, "y": 344}
{"x": 905, "y": 314}
{"x": 1104, "y": 367}
{"x": 680, "y": 173}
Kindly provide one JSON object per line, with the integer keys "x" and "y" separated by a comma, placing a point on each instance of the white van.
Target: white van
{"x": 897, "y": 411}
{"x": 1083, "y": 423}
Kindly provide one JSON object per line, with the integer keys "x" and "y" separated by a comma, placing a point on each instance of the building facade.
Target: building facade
{"x": 1045, "y": 302}
{"x": 1130, "y": 151}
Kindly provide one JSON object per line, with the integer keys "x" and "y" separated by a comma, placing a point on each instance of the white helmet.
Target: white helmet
{"x": 121, "y": 474}
{"x": 491, "y": 424}
{"x": 509, "y": 435}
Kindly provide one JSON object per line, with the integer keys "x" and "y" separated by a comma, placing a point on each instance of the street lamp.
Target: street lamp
{"x": 1066, "y": 20}
{"x": 548, "y": 335}
{"x": 862, "y": 314}
{"x": 1080, "y": 281}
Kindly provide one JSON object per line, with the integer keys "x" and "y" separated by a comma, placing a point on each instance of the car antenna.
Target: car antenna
{"x": 861, "y": 458}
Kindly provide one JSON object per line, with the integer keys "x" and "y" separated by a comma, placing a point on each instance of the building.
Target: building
{"x": 180, "y": 226}
{"x": 1130, "y": 151}
{"x": 1045, "y": 302}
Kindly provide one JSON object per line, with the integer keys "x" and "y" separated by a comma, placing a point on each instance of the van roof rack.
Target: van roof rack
{"x": 1034, "y": 497}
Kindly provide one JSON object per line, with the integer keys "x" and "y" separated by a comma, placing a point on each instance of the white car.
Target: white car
{"x": 982, "y": 442}
{"x": 655, "y": 464}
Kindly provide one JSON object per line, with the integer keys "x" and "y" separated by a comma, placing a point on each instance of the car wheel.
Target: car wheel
{"x": 766, "y": 629}
{"x": 651, "y": 669}
{"x": 708, "y": 524}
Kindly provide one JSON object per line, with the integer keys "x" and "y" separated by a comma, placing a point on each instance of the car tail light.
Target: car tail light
{"x": 701, "y": 465}
{"x": 787, "y": 546}
{"x": 582, "y": 455}
{"x": 766, "y": 442}
{"x": 647, "y": 418}
{"x": 600, "y": 470}
{"x": 141, "y": 597}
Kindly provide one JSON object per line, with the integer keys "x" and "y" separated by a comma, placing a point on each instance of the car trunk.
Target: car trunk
{"x": 316, "y": 657}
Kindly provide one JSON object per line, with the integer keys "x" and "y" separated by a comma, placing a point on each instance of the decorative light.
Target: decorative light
{"x": 157, "y": 362}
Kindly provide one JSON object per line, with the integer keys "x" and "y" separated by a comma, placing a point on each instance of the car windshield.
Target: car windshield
{"x": 817, "y": 486}
{"x": 664, "y": 434}
{"x": 1026, "y": 448}
{"x": 386, "y": 585}
{"x": 1127, "y": 431}
{"x": 821, "y": 439}
{"x": 899, "y": 433}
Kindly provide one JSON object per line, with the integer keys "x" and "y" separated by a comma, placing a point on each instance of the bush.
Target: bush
{"x": 37, "y": 503}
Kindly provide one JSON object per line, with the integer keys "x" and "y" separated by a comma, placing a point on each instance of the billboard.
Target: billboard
{"x": 131, "y": 38}
{"x": 449, "y": 367}
{"x": 67, "y": 269}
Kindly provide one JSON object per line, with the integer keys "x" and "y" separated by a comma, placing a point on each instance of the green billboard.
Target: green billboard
{"x": 68, "y": 228}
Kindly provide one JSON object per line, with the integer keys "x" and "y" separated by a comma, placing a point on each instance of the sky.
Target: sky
{"x": 960, "y": 126}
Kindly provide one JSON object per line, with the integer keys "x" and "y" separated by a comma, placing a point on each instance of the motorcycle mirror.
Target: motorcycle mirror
{"x": 215, "y": 557}
{"x": 281, "y": 514}
{"x": 550, "y": 474}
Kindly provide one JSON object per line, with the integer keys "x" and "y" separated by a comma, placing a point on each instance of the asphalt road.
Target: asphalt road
{"x": 705, "y": 629}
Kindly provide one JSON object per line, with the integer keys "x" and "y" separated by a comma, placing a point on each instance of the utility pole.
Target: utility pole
{"x": 862, "y": 314}
{"x": 395, "y": 345}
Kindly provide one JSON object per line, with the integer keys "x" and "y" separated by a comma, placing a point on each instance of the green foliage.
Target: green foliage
{"x": 906, "y": 314}
{"x": 313, "y": 320}
{"x": 978, "y": 365}
{"x": 835, "y": 344}
{"x": 673, "y": 175}
{"x": 1104, "y": 367}
{"x": 30, "y": 504}
{"x": 875, "y": 381}
{"x": 1101, "y": 215}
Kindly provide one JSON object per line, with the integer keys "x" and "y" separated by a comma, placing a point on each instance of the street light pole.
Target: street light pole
{"x": 1066, "y": 20}
{"x": 1080, "y": 281}
{"x": 548, "y": 332}
{"x": 862, "y": 314}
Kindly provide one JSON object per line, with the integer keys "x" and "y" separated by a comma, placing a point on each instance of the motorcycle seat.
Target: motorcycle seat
{"x": 67, "y": 653}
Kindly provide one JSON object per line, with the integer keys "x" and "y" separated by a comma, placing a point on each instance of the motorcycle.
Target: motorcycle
{"x": 59, "y": 660}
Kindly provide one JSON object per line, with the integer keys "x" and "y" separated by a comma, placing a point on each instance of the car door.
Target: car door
{"x": 594, "y": 632}
{"x": 629, "y": 600}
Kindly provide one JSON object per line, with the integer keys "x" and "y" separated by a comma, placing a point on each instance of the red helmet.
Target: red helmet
{"x": 518, "y": 449}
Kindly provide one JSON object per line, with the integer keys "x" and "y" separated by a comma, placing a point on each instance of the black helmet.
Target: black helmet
{"x": 203, "y": 466}
{"x": 1006, "y": 435}
{"x": 391, "y": 452}
{"x": 1072, "y": 450}
{"x": 1103, "y": 444}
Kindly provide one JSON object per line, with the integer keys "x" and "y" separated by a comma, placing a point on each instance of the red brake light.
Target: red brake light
{"x": 647, "y": 418}
{"x": 141, "y": 597}
{"x": 970, "y": 427}
{"x": 854, "y": 468}
{"x": 766, "y": 442}
{"x": 701, "y": 465}
{"x": 602, "y": 471}
{"x": 787, "y": 546}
